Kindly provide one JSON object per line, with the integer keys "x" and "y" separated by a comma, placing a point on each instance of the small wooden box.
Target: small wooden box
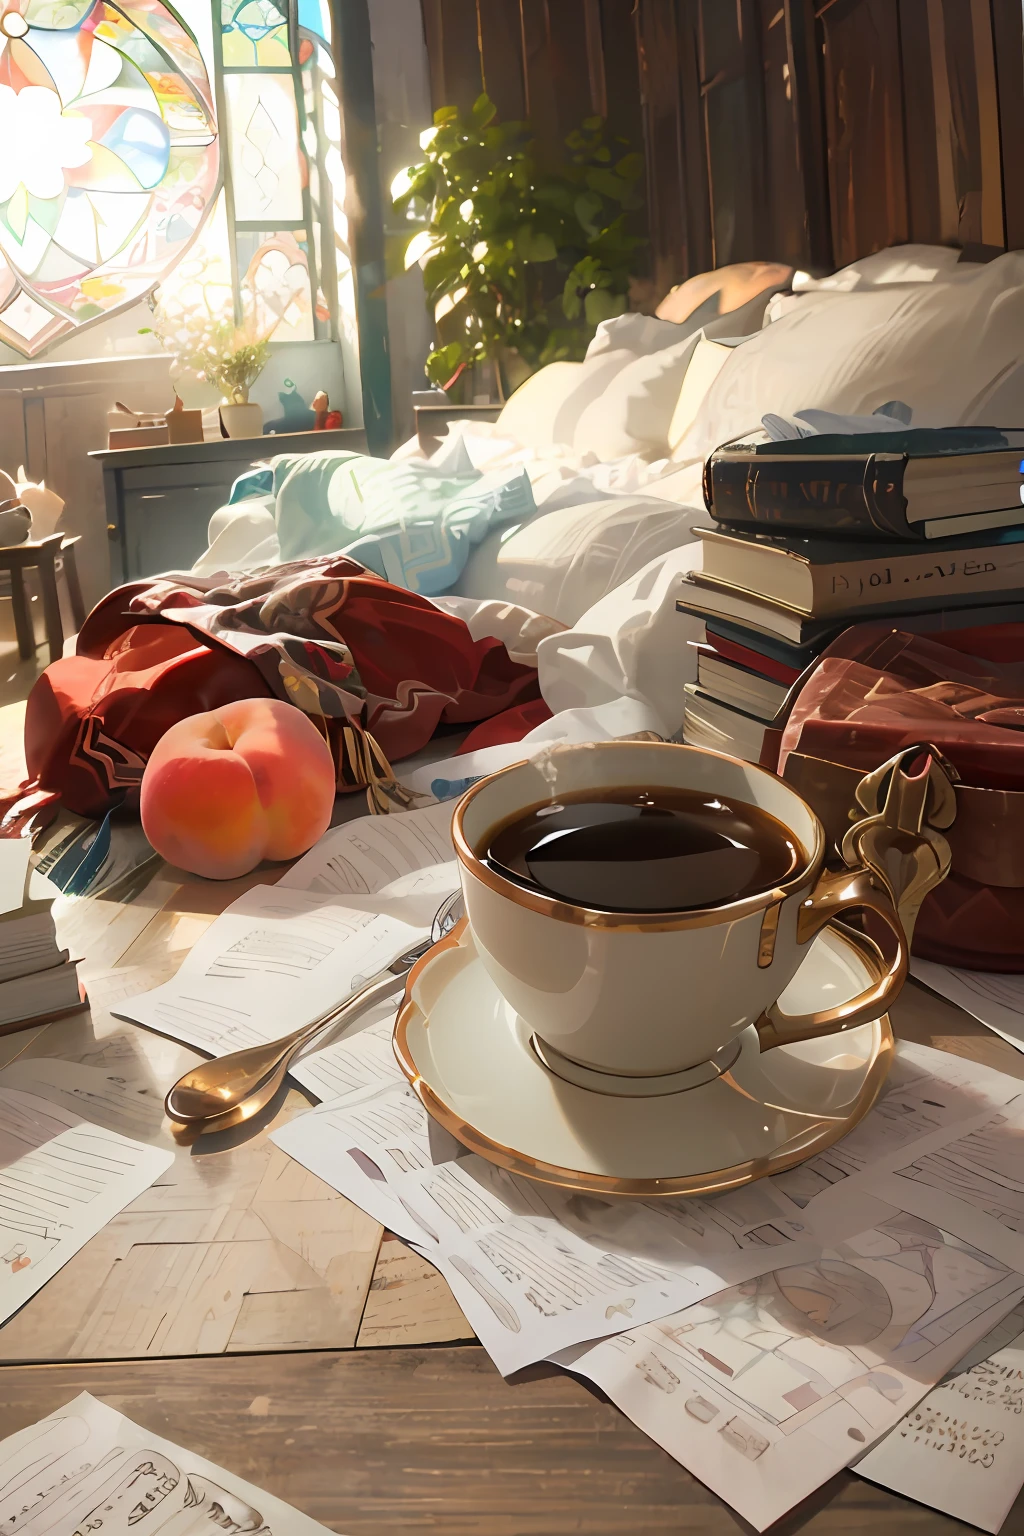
{"x": 184, "y": 427}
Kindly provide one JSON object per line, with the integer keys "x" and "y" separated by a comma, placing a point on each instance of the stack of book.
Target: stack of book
{"x": 923, "y": 527}
{"x": 38, "y": 981}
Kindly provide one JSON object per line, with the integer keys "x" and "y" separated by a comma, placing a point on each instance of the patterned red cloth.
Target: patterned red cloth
{"x": 511, "y": 725}
{"x": 346, "y": 647}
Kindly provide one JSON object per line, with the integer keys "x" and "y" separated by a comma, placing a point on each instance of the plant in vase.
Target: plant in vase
{"x": 194, "y": 322}
{"x": 520, "y": 262}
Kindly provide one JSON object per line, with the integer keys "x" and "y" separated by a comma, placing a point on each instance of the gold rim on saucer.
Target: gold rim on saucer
{"x": 818, "y": 1135}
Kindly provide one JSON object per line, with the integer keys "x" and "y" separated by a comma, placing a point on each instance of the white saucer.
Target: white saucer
{"x": 471, "y": 1060}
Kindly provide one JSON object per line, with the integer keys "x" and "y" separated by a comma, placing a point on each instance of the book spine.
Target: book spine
{"x": 932, "y": 577}
{"x": 856, "y": 495}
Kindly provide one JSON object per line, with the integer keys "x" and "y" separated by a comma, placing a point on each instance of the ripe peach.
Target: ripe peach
{"x": 249, "y": 781}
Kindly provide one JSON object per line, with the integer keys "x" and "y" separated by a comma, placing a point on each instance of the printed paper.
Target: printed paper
{"x": 276, "y": 959}
{"x": 532, "y": 1264}
{"x": 88, "y": 1468}
{"x": 61, "y": 1180}
{"x": 769, "y": 1388}
{"x": 961, "y": 1449}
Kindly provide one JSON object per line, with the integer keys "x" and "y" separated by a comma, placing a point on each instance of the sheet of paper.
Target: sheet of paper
{"x": 995, "y": 999}
{"x": 61, "y": 1180}
{"x": 274, "y": 960}
{"x": 973, "y": 1184}
{"x": 111, "y": 1098}
{"x": 961, "y": 1449}
{"x": 769, "y": 1388}
{"x": 533, "y": 1268}
{"x": 369, "y": 855}
{"x": 930, "y": 1098}
{"x": 88, "y": 1468}
{"x": 282, "y": 954}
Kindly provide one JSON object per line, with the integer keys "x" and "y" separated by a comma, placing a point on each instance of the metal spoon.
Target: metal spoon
{"x": 241, "y": 1084}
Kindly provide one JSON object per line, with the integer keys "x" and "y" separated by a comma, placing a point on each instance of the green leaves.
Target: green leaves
{"x": 443, "y": 362}
{"x": 535, "y": 245}
{"x": 516, "y": 258}
{"x": 600, "y": 305}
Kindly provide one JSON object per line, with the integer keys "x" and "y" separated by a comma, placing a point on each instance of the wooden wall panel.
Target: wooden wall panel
{"x": 932, "y": 212}
{"x": 1008, "y": 45}
{"x": 783, "y": 210}
{"x": 662, "y": 37}
{"x": 734, "y": 128}
{"x": 618, "y": 42}
{"x": 501, "y": 49}
{"x": 810, "y": 131}
{"x": 864, "y": 126}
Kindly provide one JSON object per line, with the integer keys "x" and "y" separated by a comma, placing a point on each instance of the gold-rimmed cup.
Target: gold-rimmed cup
{"x": 648, "y": 994}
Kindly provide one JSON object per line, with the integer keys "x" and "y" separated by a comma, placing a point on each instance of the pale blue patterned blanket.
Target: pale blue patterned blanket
{"x": 412, "y": 523}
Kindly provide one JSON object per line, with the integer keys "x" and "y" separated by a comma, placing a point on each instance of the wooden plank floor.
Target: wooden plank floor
{"x": 298, "y": 1349}
{"x": 236, "y": 1248}
{"x": 372, "y": 1442}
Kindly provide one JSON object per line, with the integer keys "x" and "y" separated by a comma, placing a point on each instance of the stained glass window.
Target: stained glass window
{"x": 135, "y": 132}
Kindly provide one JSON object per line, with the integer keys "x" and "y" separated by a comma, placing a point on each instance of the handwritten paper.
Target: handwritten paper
{"x": 88, "y": 1468}
{"x": 283, "y": 954}
{"x": 769, "y": 1388}
{"x": 113, "y": 1098}
{"x": 961, "y": 1449}
{"x": 274, "y": 960}
{"x": 61, "y": 1180}
{"x": 996, "y": 999}
{"x": 369, "y": 855}
{"x": 533, "y": 1268}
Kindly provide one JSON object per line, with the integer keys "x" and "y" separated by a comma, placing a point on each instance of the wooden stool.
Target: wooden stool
{"x": 43, "y": 555}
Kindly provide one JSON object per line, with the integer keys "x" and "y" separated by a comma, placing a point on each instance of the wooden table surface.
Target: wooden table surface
{"x": 246, "y": 1310}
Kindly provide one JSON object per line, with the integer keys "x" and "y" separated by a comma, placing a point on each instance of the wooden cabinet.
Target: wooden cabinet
{"x": 160, "y": 500}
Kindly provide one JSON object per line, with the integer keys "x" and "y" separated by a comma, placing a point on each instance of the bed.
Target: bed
{"x": 579, "y": 503}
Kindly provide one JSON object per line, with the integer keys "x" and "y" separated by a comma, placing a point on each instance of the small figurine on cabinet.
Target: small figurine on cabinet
{"x": 326, "y": 419}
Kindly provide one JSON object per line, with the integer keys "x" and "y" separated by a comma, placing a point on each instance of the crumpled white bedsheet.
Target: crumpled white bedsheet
{"x": 621, "y": 666}
{"x": 632, "y": 645}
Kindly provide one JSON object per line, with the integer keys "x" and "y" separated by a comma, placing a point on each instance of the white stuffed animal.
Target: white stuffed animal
{"x": 45, "y": 506}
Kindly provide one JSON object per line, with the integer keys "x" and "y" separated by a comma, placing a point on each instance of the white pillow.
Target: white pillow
{"x": 618, "y": 343}
{"x": 562, "y": 562}
{"x": 949, "y": 349}
{"x": 548, "y": 406}
{"x": 897, "y": 264}
{"x": 639, "y": 335}
{"x": 708, "y": 360}
{"x": 633, "y": 413}
{"x": 529, "y": 414}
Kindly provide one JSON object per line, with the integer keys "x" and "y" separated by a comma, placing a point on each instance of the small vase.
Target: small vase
{"x": 242, "y": 420}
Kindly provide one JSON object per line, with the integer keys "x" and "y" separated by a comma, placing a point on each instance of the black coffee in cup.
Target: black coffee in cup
{"x": 656, "y": 850}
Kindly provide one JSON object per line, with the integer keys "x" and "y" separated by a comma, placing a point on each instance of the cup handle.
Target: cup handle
{"x": 836, "y": 892}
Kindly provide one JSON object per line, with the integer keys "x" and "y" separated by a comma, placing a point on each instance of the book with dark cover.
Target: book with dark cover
{"x": 922, "y": 484}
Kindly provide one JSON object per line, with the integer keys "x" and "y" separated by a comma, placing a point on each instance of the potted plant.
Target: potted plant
{"x": 191, "y": 324}
{"x": 520, "y": 262}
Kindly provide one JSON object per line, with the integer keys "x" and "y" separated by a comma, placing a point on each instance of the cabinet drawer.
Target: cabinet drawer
{"x": 166, "y": 477}
{"x": 165, "y": 530}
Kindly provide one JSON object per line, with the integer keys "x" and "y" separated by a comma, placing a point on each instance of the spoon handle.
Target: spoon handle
{"x": 384, "y": 984}
{"x": 219, "y": 1087}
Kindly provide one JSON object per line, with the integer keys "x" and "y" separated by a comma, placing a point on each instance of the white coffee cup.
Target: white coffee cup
{"x": 648, "y": 994}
